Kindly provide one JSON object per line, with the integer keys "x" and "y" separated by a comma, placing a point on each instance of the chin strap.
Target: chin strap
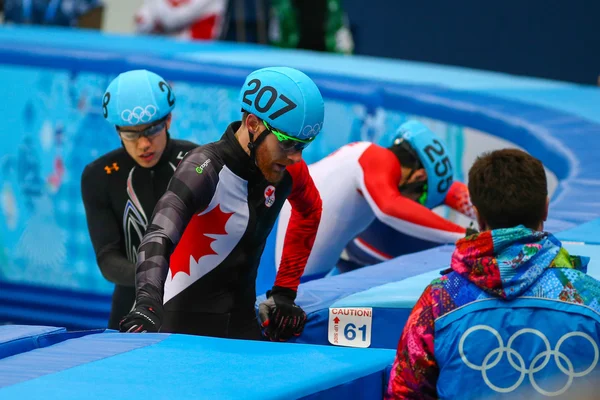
{"x": 413, "y": 187}
{"x": 253, "y": 144}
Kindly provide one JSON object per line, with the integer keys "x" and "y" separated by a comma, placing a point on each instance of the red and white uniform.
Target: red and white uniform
{"x": 187, "y": 19}
{"x": 357, "y": 184}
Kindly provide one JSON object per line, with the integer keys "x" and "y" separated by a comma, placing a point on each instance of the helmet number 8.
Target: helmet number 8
{"x": 105, "y": 102}
{"x": 273, "y": 95}
{"x": 442, "y": 167}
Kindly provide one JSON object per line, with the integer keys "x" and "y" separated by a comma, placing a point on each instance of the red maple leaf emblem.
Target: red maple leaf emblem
{"x": 194, "y": 241}
{"x": 269, "y": 192}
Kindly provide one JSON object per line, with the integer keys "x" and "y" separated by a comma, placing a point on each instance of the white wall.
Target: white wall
{"x": 118, "y": 15}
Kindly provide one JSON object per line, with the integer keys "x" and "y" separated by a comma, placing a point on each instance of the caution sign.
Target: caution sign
{"x": 350, "y": 326}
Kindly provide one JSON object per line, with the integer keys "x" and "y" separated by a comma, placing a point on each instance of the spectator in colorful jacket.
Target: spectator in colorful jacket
{"x": 515, "y": 315}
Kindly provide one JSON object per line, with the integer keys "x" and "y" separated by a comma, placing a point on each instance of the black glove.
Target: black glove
{"x": 280, "y": 317}
{"x": 471, "y": 230}
{"x": 143, "y": 318}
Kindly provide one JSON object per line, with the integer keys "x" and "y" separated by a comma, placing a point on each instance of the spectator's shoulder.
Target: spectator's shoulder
{"x": 587, "y": 288}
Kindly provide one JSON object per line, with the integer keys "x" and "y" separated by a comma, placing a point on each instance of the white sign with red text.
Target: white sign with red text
{"x": 350, "y": 326}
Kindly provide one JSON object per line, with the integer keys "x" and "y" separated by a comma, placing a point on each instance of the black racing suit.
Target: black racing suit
{"x": 201, "y": 252}
{"x": 119, "y": 197}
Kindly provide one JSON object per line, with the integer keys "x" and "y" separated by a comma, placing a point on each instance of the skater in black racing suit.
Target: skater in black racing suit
{"x": 121, "y": 188}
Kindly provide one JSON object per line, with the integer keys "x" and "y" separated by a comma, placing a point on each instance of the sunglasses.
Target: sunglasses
{"x": 150, "y": 132}
{"x": 417, "y": 165}
{"x": 288, "y": 143}
{"x": 423, "y": 199}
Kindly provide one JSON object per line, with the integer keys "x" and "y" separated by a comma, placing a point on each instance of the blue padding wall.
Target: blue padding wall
{"x": 53, "y": 81}
{"x": 191, "y": 367}
{"x": 390, "y": 290}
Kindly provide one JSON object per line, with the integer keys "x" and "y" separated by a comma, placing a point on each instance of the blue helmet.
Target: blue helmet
{"x": 286, "y": 99}
{"x": 137, "y": 97}
{"x": 434, "y": 156}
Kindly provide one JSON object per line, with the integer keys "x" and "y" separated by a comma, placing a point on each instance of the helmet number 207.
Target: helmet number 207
{"x": 442, "y": 167}
{"x": 255, "y": 86}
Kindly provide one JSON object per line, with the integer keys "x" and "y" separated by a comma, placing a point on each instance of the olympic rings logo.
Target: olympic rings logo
{"x": 520, "y": 366}
{"x": 311, "y": 130}
{"x": 138, "y": 114}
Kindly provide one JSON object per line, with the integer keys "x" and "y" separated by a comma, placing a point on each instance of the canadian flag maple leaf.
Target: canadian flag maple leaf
{"x": 195, "y": 242}
{"x": 269, "y": 192}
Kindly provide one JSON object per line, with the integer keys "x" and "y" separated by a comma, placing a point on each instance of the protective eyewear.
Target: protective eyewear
{"x": 150, "y": 132}
{"x": 423, "y": 199}
{"x": 417, "y": 186}
{"x": 289, "y": 143}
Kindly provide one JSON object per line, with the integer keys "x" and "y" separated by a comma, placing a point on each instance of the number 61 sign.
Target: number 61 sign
{"x": 350, "y": 326}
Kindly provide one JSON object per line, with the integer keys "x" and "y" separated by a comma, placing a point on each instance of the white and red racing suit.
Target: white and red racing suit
{"x": 185, "y": 19}
{"x": 358, "y": 183}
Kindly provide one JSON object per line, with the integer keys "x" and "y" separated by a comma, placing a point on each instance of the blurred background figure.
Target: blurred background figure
{"x": 320, "y": 25}
{"x": 185, "y": 19}
{"x": 75, "y": 13}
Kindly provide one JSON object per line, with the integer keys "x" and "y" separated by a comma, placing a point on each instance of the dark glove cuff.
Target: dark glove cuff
{"x": 148, "y": 303}
{"x": 471, "y": 231}
{"x": 283, "y": 292}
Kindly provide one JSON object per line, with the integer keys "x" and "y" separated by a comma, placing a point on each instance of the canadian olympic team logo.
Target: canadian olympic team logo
{"x": 269, "y": 195}
{"x": 495, "y": 356}
{"x": 139, "y": 114}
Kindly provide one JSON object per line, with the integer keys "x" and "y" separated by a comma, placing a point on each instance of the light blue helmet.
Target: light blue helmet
{"x": 286, "y": 99}
{"x": 435, "y": 158}
{"x": 137, "y": 97}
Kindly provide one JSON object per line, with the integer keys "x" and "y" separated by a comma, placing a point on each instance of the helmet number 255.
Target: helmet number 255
{"x": 255, "y": 86}
{"x": 442, "y": 166}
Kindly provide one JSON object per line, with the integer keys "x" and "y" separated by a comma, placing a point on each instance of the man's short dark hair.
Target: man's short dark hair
{"x": 405, "y": 155}
{"x": 509, "y": 188}
{"x": 244, "y": 116}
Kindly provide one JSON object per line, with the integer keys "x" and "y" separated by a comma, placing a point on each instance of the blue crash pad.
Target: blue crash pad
{"x": 115, "y": 365}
